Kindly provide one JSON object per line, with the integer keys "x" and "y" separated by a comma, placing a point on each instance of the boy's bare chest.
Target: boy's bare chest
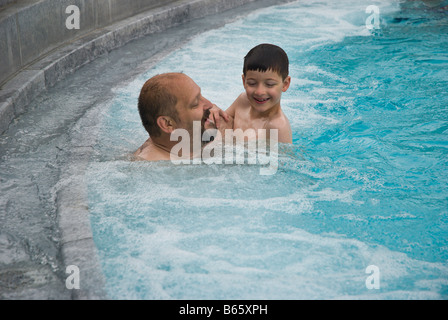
{"x": 244, "y": 121}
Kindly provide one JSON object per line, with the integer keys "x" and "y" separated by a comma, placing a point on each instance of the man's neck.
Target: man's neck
{"x": 153, "y": 151}
{"x": 161, "y": 147}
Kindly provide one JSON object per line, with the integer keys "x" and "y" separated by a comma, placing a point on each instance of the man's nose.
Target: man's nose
{"x": 207, "y": 104}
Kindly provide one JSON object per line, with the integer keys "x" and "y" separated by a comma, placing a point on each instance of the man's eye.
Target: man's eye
{"x": 195, "y": 104}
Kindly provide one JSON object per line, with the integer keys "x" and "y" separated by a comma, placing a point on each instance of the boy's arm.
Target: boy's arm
{"x": 218, "y": 114}
{"x": 284, "y": 136}
{"x": 238, "y": 101}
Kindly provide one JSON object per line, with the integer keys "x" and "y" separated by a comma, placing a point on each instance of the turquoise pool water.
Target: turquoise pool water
{"x": 365, "y": 182}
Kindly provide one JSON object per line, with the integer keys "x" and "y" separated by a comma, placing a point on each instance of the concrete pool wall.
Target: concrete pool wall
{"x": 49, "y": 63}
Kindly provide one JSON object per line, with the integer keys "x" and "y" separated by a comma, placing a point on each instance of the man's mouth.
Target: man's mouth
{"x": 261, "y": 101}
{"x": 207, "y": 135}
{"x": 206, "y": 122}
{"x": 206, "y": 115}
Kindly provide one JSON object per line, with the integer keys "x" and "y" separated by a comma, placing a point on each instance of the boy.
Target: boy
{"x": 265, "y": 77}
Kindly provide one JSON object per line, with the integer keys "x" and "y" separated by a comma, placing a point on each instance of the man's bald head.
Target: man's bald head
{"x": 158, "y": 97}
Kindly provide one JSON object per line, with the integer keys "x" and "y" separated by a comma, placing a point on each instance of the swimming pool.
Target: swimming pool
{"x": 364, "y": 184}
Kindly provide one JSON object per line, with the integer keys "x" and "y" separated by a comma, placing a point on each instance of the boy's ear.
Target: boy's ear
{"x": 166, "y": 124}
{"x": 244, "y": 80}
{"x": 286, "y": 83}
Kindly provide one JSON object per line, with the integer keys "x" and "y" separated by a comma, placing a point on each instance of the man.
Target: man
{"x": 173, "y": 101}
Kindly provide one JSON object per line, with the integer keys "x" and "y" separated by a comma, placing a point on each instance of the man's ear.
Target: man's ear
{"x": 286, "y": 83}
{"x": 166, "y": 124}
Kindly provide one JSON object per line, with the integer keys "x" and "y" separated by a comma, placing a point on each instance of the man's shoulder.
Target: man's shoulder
{"x": 149, "y": 153}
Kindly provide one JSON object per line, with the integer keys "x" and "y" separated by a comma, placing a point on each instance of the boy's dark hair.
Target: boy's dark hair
{"x": 266, "y": 57}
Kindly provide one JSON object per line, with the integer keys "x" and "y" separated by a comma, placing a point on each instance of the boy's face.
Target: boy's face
{"x": 264, "y": 89}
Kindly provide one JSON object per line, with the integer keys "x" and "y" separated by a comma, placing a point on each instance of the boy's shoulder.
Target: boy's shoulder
{"x": 242, "y": 101}
{"x": 281, "y": 123}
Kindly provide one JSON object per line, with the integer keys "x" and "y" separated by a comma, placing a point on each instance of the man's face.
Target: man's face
{"x": 191, "y": 105}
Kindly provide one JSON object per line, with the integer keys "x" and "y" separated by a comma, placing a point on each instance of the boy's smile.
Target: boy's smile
{"x": 264, "y": 89}
{"x": 261, "y": 100}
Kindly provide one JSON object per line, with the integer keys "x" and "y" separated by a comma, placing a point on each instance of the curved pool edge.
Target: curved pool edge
{"x": 77, "y": 243}
{"x": 77, "y": 246}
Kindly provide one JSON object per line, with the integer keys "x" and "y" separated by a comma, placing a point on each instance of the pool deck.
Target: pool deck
{"x": 49, "y": 67}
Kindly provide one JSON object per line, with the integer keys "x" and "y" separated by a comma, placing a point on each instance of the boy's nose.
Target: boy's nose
{"x": 259, "y": 90}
